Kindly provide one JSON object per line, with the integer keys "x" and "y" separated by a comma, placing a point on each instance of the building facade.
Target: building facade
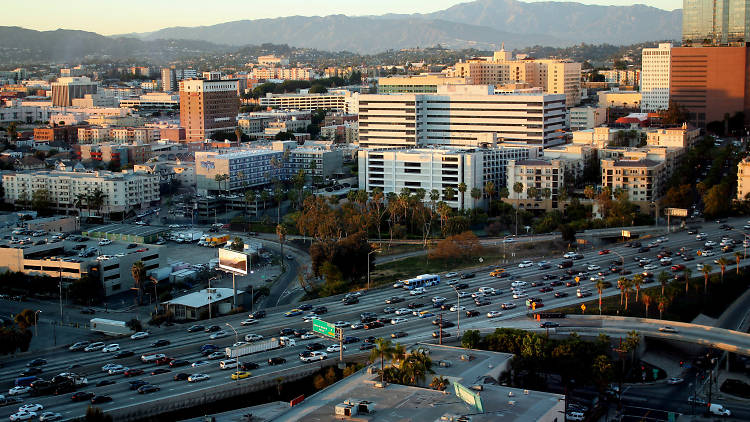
{"x": 582, "y": 118}
{"x": 68, "y": 88}
{"x": 245, "y": 169}
{"x": 416, "y": 84}
{"x": 547, "y": 176}
{"x": 333, "y": 101}
{"x": 655, "y": 77}
{"x": 715, "y": 21}
{"x": 208, "y": 107}
{"x": 743, "y": 179}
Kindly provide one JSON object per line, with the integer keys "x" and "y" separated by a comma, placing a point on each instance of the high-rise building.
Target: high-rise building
{"x": 68, "y": 88}
{"x": 715, "y": 21}
{"x": 743, "y": 179}
{"x": 655, "y": 77}
{"x": 208, "y": 107}
{"x": 168, "y": 80}
{"x": 467, "y": 115}
{"x": 711, "y": 81}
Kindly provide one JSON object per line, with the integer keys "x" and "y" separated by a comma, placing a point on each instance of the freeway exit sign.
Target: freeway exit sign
{"x": 323, "y": 328}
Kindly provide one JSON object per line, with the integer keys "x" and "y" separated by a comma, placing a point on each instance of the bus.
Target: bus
{"x": 424, "y": 280}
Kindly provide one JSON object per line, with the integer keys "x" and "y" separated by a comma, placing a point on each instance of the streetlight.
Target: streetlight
{"x": 458, "y": 310}
{"x": 36, "y": 325}
{"x": 368, "y": 266}
{"x": 236, "y": 340}
{"x": 208, "y": 291}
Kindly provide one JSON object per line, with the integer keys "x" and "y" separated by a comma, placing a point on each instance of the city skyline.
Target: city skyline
{"x": 90, "y": 16}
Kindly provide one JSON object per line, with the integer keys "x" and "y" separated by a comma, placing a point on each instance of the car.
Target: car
{"x": 23, "y": 416}
{"x": 250, "y": 338}
{"x": 462, "y": 286}
{"x": 78, "y": 346}
{"x": 249, "y": 321}
{"x": 583, "y": 293}
{"x": 218, "y": 334}
{"x": 94, "y": 347}
{"x": 320, "y": 310}
{"x": 393, "y": 299}
{"x": 139, "y": 335}
{"x": 650, "y": 267}
{"x": 198, "y": 377}
{"x": 18, "y": 390}
{"x": 494, "y": 314}
{"x": 373, "y": 324}
{"x": 286, "y": 332}
{"x": 402, "y": 311}
{"x": 675, "y": 380}
{"x": 148, "y": 388}
{"x": 546, "y": 289}
{"x": 180, "y": 376}
{"x": 216, "y": 355}
{"x": 277, "y": 360}
{"x": 133, "y": 372}
{"x": 240, "y": 375}
{"x": 178, "y": 362}
{"x": 82, "y": 396}
{"x": 159, "y": 371}
{"x": 456, "y": 308}
{"x": 418, "y": 291}
{"x": 593, "y": 267}
{"x": 334, "y": 348}
{"x": 415, "y": 305}
{"x": 109, "y": 366}
{"x": 313, "y": 356}
{"x": 258, "y": 314}
{"x": 549, "y": 324}
{"x": 464, "y": 276}
{"x": 525, "y": 264}
{"x": 561, "y": 294}
{"x": 50, "y": 416}
{"x": 518, "y": 283}
{"x": 508, "y": 305}
{"x": 198, "y": 363}
{"x": 667, "y": 329}
{"x": 160, "y": 343}
{"x": 451, "y": 274}
{"x": 212, "y": 329}
{"x": 437, "y": 334}
{"x": 444, "y": 323}
{"x": 395, "y": 321}
{"x": 482, "y": 302}
{"x": 105, "y": 242}
{"x": 366, "y": 346}
{"x": 399, "y": 334}
{"x": 195, "y": 328}
{"x": 293, "y": 312}
{"x": 519, "y": 295}
{"x": 472, "y": 313}
{"x": 308, "y": 336}
{"x": 604, "y": 251}
{"x": 31, "y": 407}
{"x": 341, "y": 324}
{"x": 119, "y": 369}
{"x": 246, "y": 366}
{"x": 697, "y": 401}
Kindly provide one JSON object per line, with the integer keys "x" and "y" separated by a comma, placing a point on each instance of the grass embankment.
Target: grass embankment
{"x": 679, "y": 306}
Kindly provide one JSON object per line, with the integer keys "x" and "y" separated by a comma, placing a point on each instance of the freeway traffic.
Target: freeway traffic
{"x": 184, "y": 345}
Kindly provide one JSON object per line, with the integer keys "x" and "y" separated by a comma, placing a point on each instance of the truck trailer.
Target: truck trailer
{"x": 109, "y": 327}
{"x": 261, "y": 346}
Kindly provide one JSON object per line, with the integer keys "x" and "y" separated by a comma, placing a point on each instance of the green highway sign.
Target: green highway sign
{"x": 324, "y": 328}
{"x": 468, "y": 396}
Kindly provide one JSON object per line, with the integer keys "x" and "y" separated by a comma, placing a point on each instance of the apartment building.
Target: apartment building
{"x": 346, "y": 133}
{"x": 617, "y": 98}
{"x": 65, "y": 89}
{"x": 284, "y": 73}
{"x": 546, "y": 175}
{"x": 425, "y": 83}
{"x": 65, "y": 133}
{"x": 621, "y": 77}
{"x": 330, "y": 100}
{"x": 130, "y": 135}
{"x": 314, "y": 161}
{"x": 121, "y": 154}
{"x": 245, "y": 168}
{"x": 123, "y": 192}
{"x": 656, "y": 74}
{"x": 677, "y": 137}
{"x": 643, "y": 180}
{"x": 169, "y": 80}
{"x": 94, "y": 135}
{"x": 465, "y": 115}
{"x": 743, "y": 179}
{"x": 582, "y": 118}
{"x": 208, "y": 107}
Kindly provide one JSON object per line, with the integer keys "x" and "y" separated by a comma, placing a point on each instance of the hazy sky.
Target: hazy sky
{"x": 118, "y": 17}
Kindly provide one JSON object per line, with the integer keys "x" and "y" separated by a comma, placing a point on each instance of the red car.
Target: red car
{"x": 604, "y": 251}
{"x": 678, "y": 267}
{"x": 133, "y": 372}
{"x": 164, "y": 361}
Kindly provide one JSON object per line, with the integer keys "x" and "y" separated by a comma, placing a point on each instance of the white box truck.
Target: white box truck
{"x": 261, "y": 346}
{"x": 109, "y": 326}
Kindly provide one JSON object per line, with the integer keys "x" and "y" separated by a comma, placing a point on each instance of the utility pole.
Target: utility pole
{"x": 458, "y": 311}
{"x": 441, "y": 328}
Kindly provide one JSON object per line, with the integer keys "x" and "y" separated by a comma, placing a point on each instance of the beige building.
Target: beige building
{"x": 743, "y": 179}
{"x": 545, "y": 175}
{"x": 417, "y": 84}
{"x": 678, "y": 137}
{"x": 330, "y": 100}
{"x": 625, "y": 99}
{"x": 271, "y": 60}
{"x": 123, "y": 191}
{"x": 582, "y": 118}
{"x": 599, "y": 137}
{"x": 129, "y": 135}
{"x": 94, "y": 135}
{"x": 643, "y": 180}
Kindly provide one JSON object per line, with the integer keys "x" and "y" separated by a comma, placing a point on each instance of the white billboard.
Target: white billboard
{"x": 233, "y": 261}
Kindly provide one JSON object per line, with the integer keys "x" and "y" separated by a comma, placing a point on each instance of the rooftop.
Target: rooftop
{"x": 128, "y": 229}
{"x": 635, "y": 163}
{"x": 202, "y": 298}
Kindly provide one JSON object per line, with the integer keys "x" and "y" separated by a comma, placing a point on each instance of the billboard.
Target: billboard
{"x": 469, "y": 397}
{"x": 676, "y": 212}
{"x": 232, "y": 261}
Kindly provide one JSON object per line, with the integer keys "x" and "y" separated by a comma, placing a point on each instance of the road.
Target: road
{"x": 185, "y": 345}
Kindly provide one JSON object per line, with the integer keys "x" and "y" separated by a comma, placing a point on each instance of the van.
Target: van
{"x": 718, "y": 410}
{"x": 228, "y": 364}
{"x": 574, "y": 416}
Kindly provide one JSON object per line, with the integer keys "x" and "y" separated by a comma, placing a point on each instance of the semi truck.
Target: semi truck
{"x": 261, "y": 346}
{"x": 109, "y": 327}
{"x": 59, "y": 384}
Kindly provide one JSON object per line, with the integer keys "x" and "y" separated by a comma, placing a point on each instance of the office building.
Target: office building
{"x": 582, "y": 118}
{"x": 123, "y": 192}
{"x": 169, "y": 80}
{"x": 467, "y": 115}
{"x": 743, "y": 179}
{"x": 330, "y": 100}
{"x": 68, "y": 88}
{"x": 426, "y": 83}
{"x": 65, "y": 133}
{"x": 246, "y": 169}
{"x": 620, "y": 99}
{"x": 655, "y": 76}
{"x": 717, "y": 22}
{"x": 711, "y": 82}
{"x": 153, "y": 101}
{"x": 208, "y": 107}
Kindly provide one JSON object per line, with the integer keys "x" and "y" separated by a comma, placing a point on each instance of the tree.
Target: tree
{"x": 675, "y": 114}
{"x": 138, "y": 270}
{"x": 238, "y": 134}
{"x": 318, "y": 89}
{"x": 383, "y": 350}
{"x": 134, "y": 325}
{"x": 663, "y": 280}
{"x": 40, "y": 200}
{"x": 517, "y": 188}
{"x": 687, "y": 272}
{"x": 706, "y": 272}
{"x": 647, "y": 302}
{"x": 281, "y": 234}
{"x": 96, "y": 200}
{"x": 449, "y": 193}
{"x": 663, "y": 300}
{"x": 600, "y": 286}
{"x": 723, "y": 262}
{"x": 628, "y": 287}
{"x": 476, "y": 194}
{"x": 532, "y": 192}
{"x": 602, "y": 371}
{"x": 237, "y": 244}
{"x": 489, "y": 190}
{"x": 738, "y": 257}
{"x": 250, "y": 198}
{"x": 621, "y": 285}
{"x": 25, "y": 319}
{"x": 220, "y": 178}
{"x": 95, "y": 414}
{"x": 439, "y": 383}
{"x": 471, "y": 339}
{"x": 462, "y": 191}
{"x": 589, "y": 192}
{"x": 637, "y": 281}
{"x": 80, "y": 200}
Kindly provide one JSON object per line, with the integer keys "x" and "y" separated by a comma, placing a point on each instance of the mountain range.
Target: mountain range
{"x": 479, "y": 24}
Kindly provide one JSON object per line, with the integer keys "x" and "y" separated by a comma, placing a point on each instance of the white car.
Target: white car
{"x": 249, "y": 321}
{"x": 18, "y": 390}
{"x": 699, "y": 267}
{"x": 341, "y": 324}
{"x": 493, "y": 314}
{"x": 518, "y": 283}
{"x": 216, "y": 355}
{"x": 200, "y": 363}
{"x": 114, "y": 347}
{"x": 569, "y": 255}
{"x": 105, "y": 242}
{"x": 451, "y": 274}
{"x": 402, "y": 311}
{"x": 109, "y": 366}
{"x": 218, "y": 334}
{"x": 94, "y": 347}
{"x": 464, "y": 294}
{"x": 308, "y": 336}
{"x": 395, "y": 321}
{"x": 50, "y": 416}
{"x": 525, "y": 264}
{"x": 593, "y": 267}
{"x": 456, "y": 308}
{"x": 650, "y": 267}
{"x": 313, "y": 356}
{"x": 418, "y": 291}
{"x": 486, "y": 290}
{"x": 239, "y": 343}
{"x": 23, "y": 416}
{"x": 334, "y": 348}
{"x": 666, "y": 260}
{"x": 708, "y": 253}
{"x": 198, "y": 377}
{"x": 253, "y": 337}
{"x": 139, "y": 335}
{"x": 508, "y": 305}
{"x": 710, "y": 243}
{"x": 519, "y": 295}
{"x": 31, "y": 407}
{"x": 437, "y": 299}
{"x": 116, "y": 371}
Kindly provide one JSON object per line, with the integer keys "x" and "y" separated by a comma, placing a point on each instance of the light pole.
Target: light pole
{"x": 368, "y": 266}
{"x": 209, "y": 291}
{"x": 744, "y": 242}
{"x": 458, "y": 310}
{"x": 36, "y": 325}
{"x": 237, "y": 369}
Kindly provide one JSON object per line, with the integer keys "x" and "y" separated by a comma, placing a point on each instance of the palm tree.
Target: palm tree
{"x": 249, "y": 198}
{"x": 646, "y": 302}
{"x": 628, "y": 287}
{"x": 238, "y": 134}
{"x": 476, "y": 193}
{"x": 439, "y": 383}
{"x": 532, "y": 192}
{"x": 637, "y": 281}
{"x": 220, "y": 178}
{"x": 489, "y": 190}
{"x": 450, "y": 193}
{"x": 80, "y": 201}
{"x": 706, "y": 272}
{"x": 663, "y": 301}
{"x": 600, "y": 286}
{"x": 621, "y": 285}
{"x": 547, "y": 193}
{"x": 281, "y": 233}
{"x": 278, "y": 196}
{"x": 383, "y": 350}
{"x": 517, "y": 188}
{"x": 723, "y": 262}
{"x": 462, "y": 191}
{"x": 663, "y": 280}
{"x": 264, "y": 198}
{"x": 687, "y": 272}
{"x": 96, "y": 200}
{"x": 399, "y": 352}
{"x": 444, "y": 211}
{"x": 138, "y": 270}
{"x": 434, "y": 197}
{"x": 738, "y": 257}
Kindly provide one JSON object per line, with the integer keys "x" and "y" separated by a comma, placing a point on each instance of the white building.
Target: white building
{"x": 330, "y": 100}
{"x": 467, "y": 115}
{"x": 655, "y": 77}
{"x": 582, "y": 118}
{"x": 544, "y": 175}
{"x": 124, "y": 191}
